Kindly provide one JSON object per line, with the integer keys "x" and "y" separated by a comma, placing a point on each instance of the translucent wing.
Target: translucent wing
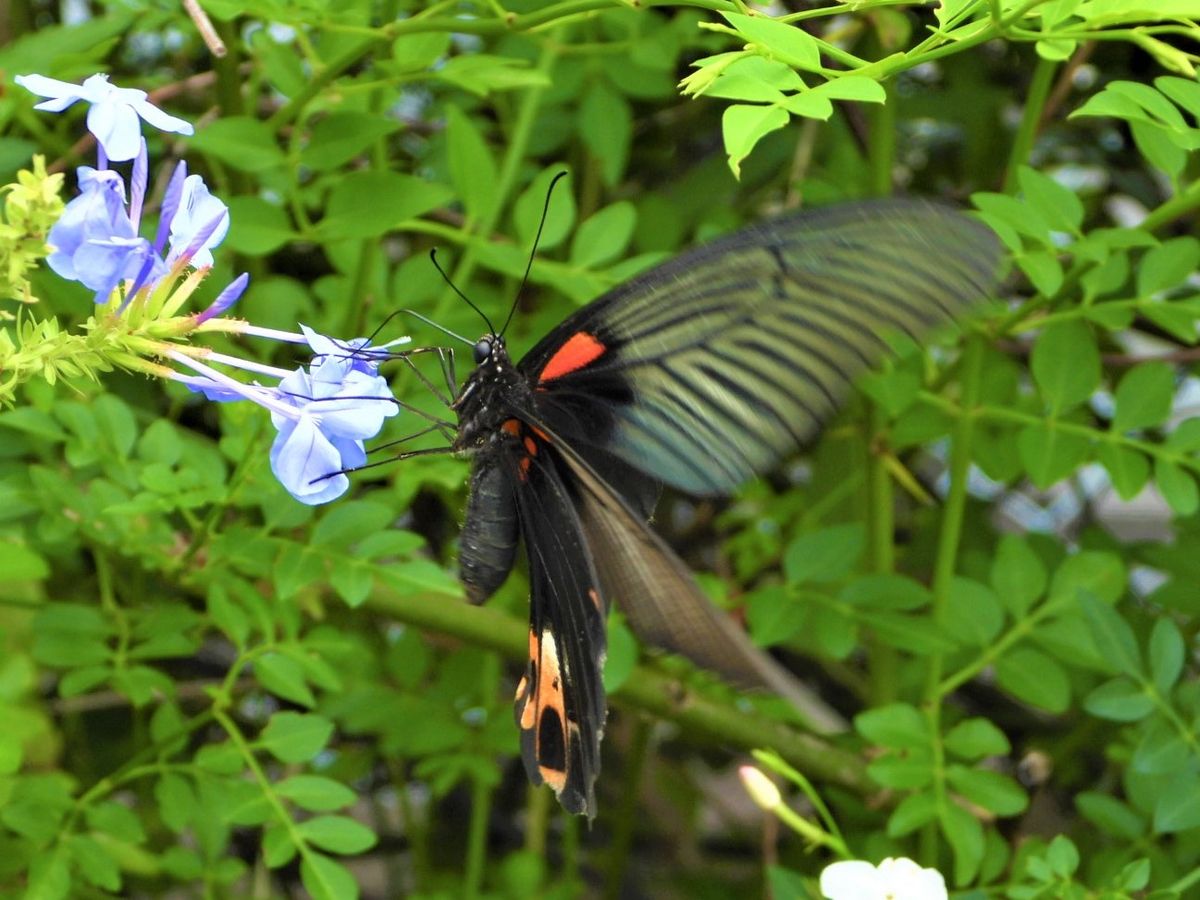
{"x": 709, "y": 369}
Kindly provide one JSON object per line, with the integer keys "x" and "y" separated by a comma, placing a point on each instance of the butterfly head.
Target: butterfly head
{"x": 487, "y": 398}
{"x": 485, "y": 346}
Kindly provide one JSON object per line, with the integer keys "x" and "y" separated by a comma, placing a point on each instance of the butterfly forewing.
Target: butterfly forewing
{"x": 712, "y": 367}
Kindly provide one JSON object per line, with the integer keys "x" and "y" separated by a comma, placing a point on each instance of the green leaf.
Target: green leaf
{"x": 370, "y": 203}
{"x": 1161, "y": 147}
{"x": 349, "y": 522}
{"x": 853, "y": 87}
{"x": 789, "y": 43}
{"x": 337, "y": 834}
{"x": 278, "y": 848}
{"x": 975, "y": 739}
{"x": 1102, "y": 574}
{"x": 965, "y": 836}
{"x": 1066, "y": 364}
{"x": 19, "y": 562}
{"x": 472, "y": 166}
{"x": 241, "y": 142}
{"x": 1050, "y": 454}
{"x": 897, "y": 725}
{"x": 1177, "y": 486}
{"x": 1178, "y": 807}
{"x": 1110, "y": 815}
{"x": 994, "y": 792}
{"x": 903, "y": 772}
{"x": 973, "y": 614}
{"x": 1056, "y": 204}
{"x": 605, "y": 125}
{"x": 326, "y": 879}
{"x": 1161, "y": 751}
{"x": 876, "y": 591}
{"x": 341, "y": 136}
{"x": 1144, "y": 396}
{"x": 416, "y": 52}
{"x": 1128, "y": 468}
{"x": 257, "y": 227}
{"x": 293, "y": 737}
{"x": 1167, "y": 265}
{"x": 622, "y": 656}
{"x": 1018, "y": 575}
{"x": 809, "y": 105}
{"x": 603, "y": 236}
{"x": 742, "y": 127}
{"x": 560, "y": 216}
{"x": 481, "y": 73}
{"x": 826, "y": 555}
{"x": 911, "y": 813}
{"x": 1167, "y": 654}
{"x": 176, "y": 801}
{"x": 1034, "y": 677}
{"x": 1183, "y": 91}
{"x": 284, "y": 677}
{"x": 95, "y": 863}
{"x": 1120, "y": 700}
{"x": 1114, "y": 637}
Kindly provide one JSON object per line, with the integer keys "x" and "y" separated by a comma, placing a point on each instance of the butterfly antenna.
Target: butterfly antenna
{"x": 465, "y": 298}
{"x": 533, "y": 252}
{"x": 433, "y": 324}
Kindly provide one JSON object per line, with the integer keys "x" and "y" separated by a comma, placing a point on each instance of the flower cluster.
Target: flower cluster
{"x": 323, "y": 413}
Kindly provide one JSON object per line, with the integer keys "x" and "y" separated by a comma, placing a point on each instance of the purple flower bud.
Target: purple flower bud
{"x": 113, "y": 117}
{"x": 232, "y": 293}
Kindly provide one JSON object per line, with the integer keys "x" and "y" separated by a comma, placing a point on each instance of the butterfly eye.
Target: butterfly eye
{"x": 483, "y": 349}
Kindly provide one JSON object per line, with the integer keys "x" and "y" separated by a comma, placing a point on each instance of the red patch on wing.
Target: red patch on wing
{"x": 579, "y": 350}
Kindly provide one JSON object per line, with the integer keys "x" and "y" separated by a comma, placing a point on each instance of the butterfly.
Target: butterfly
{"x": 697, "y": 375}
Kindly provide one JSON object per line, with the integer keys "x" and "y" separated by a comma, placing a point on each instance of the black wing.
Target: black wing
{"x": 709, "y": 369}
{"x": 560, "y": 703}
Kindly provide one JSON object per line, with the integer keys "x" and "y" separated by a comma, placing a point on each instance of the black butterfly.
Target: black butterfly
{"x": 698, "y": 374}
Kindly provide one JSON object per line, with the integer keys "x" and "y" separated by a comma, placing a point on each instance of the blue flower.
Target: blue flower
{"x": 94, "y": 240}
{"x": 199, "y": 224}
{"x": 338, "y": 408}
{"x": 323, "y": 415}
{"x": 358, "y": 352}
{"x": 113, "y": 118}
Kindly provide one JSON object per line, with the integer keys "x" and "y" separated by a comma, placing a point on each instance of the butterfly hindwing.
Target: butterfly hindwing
{"x": 560, "y": 703}
{"x": 709, "y": 369}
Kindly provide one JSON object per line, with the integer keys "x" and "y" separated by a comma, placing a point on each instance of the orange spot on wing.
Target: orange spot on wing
{"x": 579, "y": 350}
{"x": 594, "y": 596}
{"x": 511, "y": 426}
{"x": 531, "y": 446}
{"x": 556, "y": 778}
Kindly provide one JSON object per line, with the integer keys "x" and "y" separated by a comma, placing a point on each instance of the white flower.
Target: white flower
{"x": 892, "y": 879}
{"x": 113, "y": 118}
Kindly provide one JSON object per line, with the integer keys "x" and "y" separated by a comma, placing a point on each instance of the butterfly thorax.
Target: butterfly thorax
{"x": 492, "y": 394}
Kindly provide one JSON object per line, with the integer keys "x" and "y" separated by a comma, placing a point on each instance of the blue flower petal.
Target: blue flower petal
{"x": 302, "y": 458}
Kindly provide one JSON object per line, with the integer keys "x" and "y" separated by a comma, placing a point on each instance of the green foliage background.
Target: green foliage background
{"x": 209, "y": 689}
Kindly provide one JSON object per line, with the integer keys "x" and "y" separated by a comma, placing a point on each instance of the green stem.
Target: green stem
{"x": 1031, "y": 118}
{"x": 481, "y": 796}
{"x": 946, "y": 563}
{"x": 627, "y": 814}
{"x": 1181, "y": 204}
